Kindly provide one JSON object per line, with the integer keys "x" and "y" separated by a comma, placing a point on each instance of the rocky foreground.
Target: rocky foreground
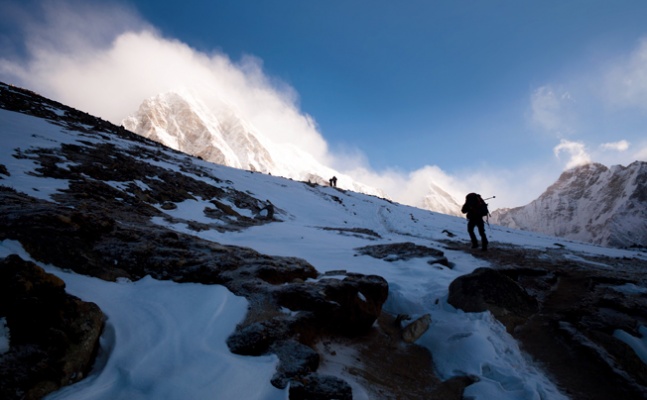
{"x": 564, "y": 312}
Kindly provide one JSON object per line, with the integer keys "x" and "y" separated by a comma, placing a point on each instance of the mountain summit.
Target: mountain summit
{"x": 181, "y": 122}
{"x": 220, "y": 135}
{"x": 591, "y": 203}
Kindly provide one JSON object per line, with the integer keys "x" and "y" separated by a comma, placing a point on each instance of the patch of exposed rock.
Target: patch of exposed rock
{"x": 356, "y": 232}
{"x": 54, "y": 336}
{"x": 388, "y": 367}
{"x": 565, "y": 311}
{"x": 487, "y": 289}
{"x": 403, "y": 252}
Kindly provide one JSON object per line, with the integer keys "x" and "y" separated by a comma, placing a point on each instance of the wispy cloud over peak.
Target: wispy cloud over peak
{"x": 576, "y": 151}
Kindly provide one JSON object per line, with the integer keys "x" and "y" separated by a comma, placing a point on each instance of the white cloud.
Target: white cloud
{"x": 512, "y": 188}
{"x": 621, "y": 145}
{"x": 551, "y": 110}
{"x": 576, "y": 151}
{"x": 106, "y": 61}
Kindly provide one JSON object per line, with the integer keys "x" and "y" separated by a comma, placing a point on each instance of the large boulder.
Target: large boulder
{"x": 486, "y": 289}
{"x": 54, "y": 336}
{"x": 348, "y": 306}
{"x": 320, "y": 387}
{"x": 297, "y": 360}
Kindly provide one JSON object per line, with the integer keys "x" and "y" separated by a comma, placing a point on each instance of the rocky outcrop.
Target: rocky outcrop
{"x": 320, "y": 387}
{"x": 325, "y": 307}
{"x": 566, "y": 314}
{"x": 486, "y": 289}
{"x": 403, "y": 252}
{"x": 348, "y": 306}
{"x": 54, "y": 336}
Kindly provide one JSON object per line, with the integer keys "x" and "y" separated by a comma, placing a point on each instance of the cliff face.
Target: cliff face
{"x": 591, "y": 203}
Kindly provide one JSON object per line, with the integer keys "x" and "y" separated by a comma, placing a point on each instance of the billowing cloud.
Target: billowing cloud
{"x": 577, "y": 154}
{"x": 106, "y": 61}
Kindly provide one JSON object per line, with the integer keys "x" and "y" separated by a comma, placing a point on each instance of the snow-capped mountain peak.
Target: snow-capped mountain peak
{"x": 219, "y": 134}
{"x": 440, "y": 201}
{"x": 592, "y": 203}
{"x": 182, "y": 122}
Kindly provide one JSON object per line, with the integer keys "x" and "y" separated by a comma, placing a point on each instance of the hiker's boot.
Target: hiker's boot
{"x": 484, "y": 246}
{"x": 475, "y": 245}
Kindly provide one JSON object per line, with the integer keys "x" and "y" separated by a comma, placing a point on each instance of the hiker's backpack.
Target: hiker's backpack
{"x": 478, "y": 205}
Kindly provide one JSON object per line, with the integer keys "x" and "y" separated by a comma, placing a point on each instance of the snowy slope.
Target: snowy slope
{"x": 219, "y": 134}
{"x": 165, "y": 340}
{"x": 591, "y": 203}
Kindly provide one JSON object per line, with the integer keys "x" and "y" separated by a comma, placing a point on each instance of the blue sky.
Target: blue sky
{"x": 494, "y": 96}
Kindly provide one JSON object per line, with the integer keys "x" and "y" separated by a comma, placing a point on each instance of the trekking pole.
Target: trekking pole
{"x": 487, "y": 218}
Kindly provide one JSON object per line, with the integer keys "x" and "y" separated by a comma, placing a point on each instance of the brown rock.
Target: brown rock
{"x": 54, "y": 336}
{"x": 417, "y": 328}
{"x": 487, "y": 289}
{"x": 349, "y": 306}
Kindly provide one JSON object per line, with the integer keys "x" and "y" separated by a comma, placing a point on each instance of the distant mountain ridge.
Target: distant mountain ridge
{"x": 181, "y": 121}
{"x": 591, "y": 203}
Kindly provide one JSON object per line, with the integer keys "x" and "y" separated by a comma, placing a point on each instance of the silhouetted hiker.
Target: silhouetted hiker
{"x": 476, "y": 209}
{"x": 333, "y": 181}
